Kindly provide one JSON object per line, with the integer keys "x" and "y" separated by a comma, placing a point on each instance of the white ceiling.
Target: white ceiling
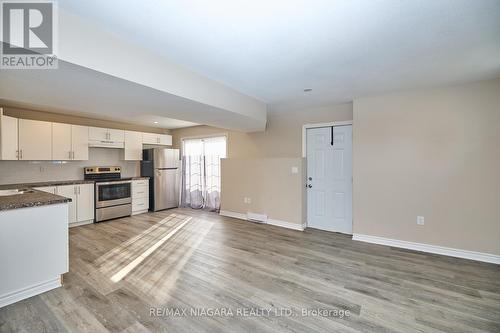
{"x": 272, "y": 50}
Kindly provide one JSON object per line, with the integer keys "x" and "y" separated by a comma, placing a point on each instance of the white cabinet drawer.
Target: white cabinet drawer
{"x": 140, "y": 192}
{"x": 139, "y": 204}
{"x": 140, "y": 182}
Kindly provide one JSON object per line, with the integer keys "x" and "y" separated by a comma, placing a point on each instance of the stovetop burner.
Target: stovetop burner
{"x": 102, "y": 173}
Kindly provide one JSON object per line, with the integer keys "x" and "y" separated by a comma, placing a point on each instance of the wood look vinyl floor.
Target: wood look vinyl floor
{"x": 183, "y": 260}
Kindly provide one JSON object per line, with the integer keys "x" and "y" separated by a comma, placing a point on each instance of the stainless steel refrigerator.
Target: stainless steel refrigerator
{"x": 161, "y": 165}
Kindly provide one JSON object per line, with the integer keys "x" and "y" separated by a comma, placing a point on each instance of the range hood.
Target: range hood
{"x": 106, "y": 144}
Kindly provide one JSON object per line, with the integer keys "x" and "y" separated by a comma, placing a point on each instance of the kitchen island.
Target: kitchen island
{"x": 33, "y": 243}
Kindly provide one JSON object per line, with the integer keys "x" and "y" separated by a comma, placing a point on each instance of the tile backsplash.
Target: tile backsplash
{"x": 13, "y": 172}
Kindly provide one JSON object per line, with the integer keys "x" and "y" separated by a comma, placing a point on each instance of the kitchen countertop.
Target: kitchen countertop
{"x": 49, "y": 183}
{"x": 57, "y": 183}
{"x": 32, "y": 198}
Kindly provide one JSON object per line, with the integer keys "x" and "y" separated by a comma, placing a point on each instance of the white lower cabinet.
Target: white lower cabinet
{"x": 140, "y": 196}
{"x": 69, "y": 191}
{"x": 81, "y": 207}
{"x": 85, "y": 211}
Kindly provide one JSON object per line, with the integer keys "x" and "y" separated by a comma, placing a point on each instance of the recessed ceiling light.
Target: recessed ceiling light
{"x": 307, "y": 90}
{"x": 156, "y": 122}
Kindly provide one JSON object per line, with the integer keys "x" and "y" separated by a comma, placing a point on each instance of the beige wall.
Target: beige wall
{"x": 434, "y": 153}
{"x": 259, "y": 164}
{"x": 282, "y": 138}
{"x": 270, "y": 184}
{"x": 75, "y": 120}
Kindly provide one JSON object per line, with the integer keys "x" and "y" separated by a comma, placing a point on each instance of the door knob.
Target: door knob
{"x": 310, "y": 178}
{"x": 310, "y": 186}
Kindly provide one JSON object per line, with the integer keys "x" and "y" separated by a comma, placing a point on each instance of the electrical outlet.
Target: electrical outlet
{"x": 249, "y": 200}
{"x": 295, "y": 169}
{"x": 420, "y": 220}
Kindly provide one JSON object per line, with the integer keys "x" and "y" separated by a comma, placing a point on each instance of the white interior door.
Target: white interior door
{"x": 329, "y": 178}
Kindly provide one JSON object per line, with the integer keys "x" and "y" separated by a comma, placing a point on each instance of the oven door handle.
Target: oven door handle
{"x": 114, "y": 182}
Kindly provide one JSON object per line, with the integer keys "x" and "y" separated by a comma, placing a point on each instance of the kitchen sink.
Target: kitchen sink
{"x": 4, "y": 193}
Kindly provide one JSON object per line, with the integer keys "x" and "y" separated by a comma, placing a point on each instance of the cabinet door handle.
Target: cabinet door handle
{"x": 21, "y": 154}
{"x": 17, "y": 154}
{"x": 73, "y": 154}
{"x": 69, "y": 153}
{"x": 74, "y": 190}
{"x": 79, "y": 190}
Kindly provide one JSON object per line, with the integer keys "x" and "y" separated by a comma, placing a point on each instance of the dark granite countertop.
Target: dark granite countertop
{"x": 49, "y": 183}
{"x": 30, "y": 198}
{"x": 58, "y": 183}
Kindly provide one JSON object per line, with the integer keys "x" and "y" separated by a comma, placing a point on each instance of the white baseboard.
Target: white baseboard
{"x": 76, "y": 224}
{"x": 140, "y": 212}
{"x": 278, "y": 223}
{"x": 30, "y": 291}
{"x": 285, "y": 224}
{"x": 447, "y": 251}
{"x": 233, "y": 214}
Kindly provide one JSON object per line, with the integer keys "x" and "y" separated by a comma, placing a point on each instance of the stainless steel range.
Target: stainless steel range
{"x": 113, "y": 197}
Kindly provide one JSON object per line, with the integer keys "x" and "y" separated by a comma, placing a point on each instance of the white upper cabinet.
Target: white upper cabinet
{"x": 156, "y": 139}
{"x": 106, "y": 134}
{"x": 8, "y": 138}
{"x": 61, "y": 142}
{"x": 98, "y": 134}
{"x": 24, "y": 139}
{"x": 80, "y": 142}
{"x": 165, "y": 139}
{"x": 116, "y": 135}
{"x": 133, "y": 146}
{"x": 150, "y": 138}
{"x": 70, "y": 142}
{"x": 35, "y": 140}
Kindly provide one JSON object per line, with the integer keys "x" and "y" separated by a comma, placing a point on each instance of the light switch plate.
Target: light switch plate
{"x": 295, "y": 169}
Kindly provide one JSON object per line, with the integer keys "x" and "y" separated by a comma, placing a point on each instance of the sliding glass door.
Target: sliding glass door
{"x": 201, "y": 177}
